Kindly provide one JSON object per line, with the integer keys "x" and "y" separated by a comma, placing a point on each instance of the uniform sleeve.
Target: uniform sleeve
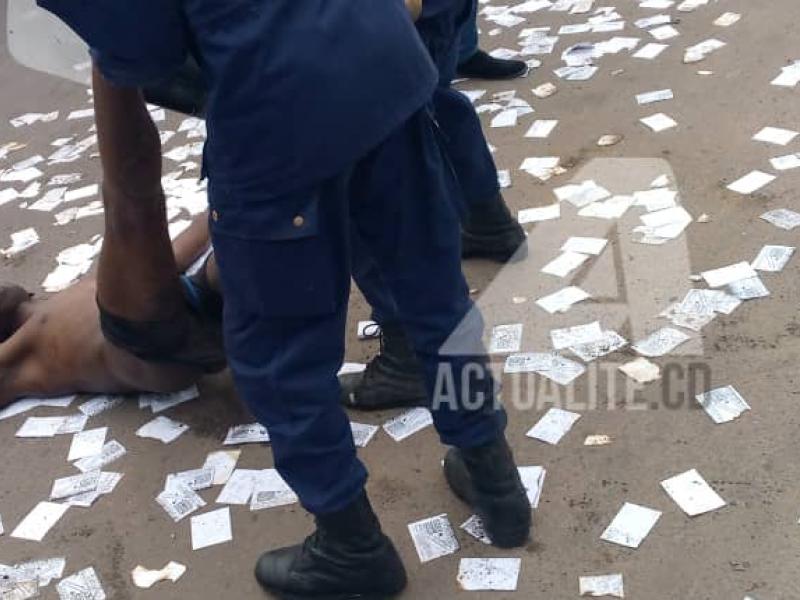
{"x": 132, "y": 42}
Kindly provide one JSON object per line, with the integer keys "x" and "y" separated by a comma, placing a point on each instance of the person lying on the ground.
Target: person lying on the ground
{"x": 54, "y": 346}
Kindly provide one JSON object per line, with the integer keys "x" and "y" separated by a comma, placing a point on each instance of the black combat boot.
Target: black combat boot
{"x": 487, "y": 479}
{"x": 347, "y": 558}
{"x": 485, "y": 66}
{"x": 490, "y": 231}
{"x": 392, "y": 379}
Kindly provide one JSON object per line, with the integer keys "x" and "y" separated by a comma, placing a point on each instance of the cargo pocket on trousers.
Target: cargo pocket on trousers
{"x": 275, "y": 257}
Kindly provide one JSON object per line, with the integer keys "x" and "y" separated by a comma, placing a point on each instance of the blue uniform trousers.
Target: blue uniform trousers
{"x": 440, "y": 27}
{"x": 285, "y": 265}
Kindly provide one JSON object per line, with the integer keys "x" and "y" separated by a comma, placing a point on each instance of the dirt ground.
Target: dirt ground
{"x": 750, "y": 547}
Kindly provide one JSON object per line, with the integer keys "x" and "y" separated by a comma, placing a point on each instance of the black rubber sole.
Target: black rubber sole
{"x": 487, "y": 247}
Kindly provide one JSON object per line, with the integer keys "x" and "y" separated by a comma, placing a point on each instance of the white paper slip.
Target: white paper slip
{"x": 661, "y": 342}
{"x": 655, "y": 96}
{"x": 650, "y": 51}
{"x": 726, "y": 275}
{"x": 664, "y": 32}
{"x": 727, "y": 19}
{"x": 598, "y": 439}
{"x": 41, "y": 572}
{"x": 782, "y": 218}
{"x": 81, "y": 193}
{"x": 655, "y": 200}
{"x": 20, "y": 242}
{"x": 541, "y": 128}
{"x": 578, "y": 334}
{"x": 474, "y": 527}
{"x": 433, "y": 538}
{"x": 645, "y": 22}
{"x": 556, "y": 368}
{"x": 106, "y": 485}
{"x": 700, "y": 51}
{"x": 271, "y": 491}
{"x": 773, "y": 258}
{"x": 162, "y": 429}
{"x": 73, "y": 424}
{"x": 562, "y": 300}
{"x": 161, "y": 402}
{"x": 659, "y": 122}
{"x": 368, "y": 330}
{"x": 789, "y": 76}
{"x": 100, "y": 404}
{"x": 641, "y": 370}
{"x": 40, "y": 427}
{"x": 656, "y": 4}
{"x": 723, "y": 404}
{"x": 504, "y": 178}
{"x": 195, "y": 479}
{"x": 585, "y": 245}
{"x": 224, "y": 463}
{"x": 553, "y": 426}
{"x": 610, "y": 342}
{"x": 601, "y": 585}
{"x": 489, "y": 574}
{"x": 111, "y": 452}
{"x": 631, "y": 525}
{"x": 775, "y": 135}
{"x": 539, "y": 213}
{"x": 180, "y": 501}
{"x": 145, "y": 578}
{"x": 752, "y": 182}
{"x": 581, "y": 194}
{"x": 253, "y": 433}
{"x": 239, "y": 488}
{"x": 20, "y": 175}
{"x": 691, "y": 492}
{"x": 533, "y": 482}
{"x": 84, "y": 585}
{"x": 749, "y": 289}
{"x": 39, "y": 521}
{"x": 72, "y": 486}
{"x": 786, "y": 162}
{"x": 610, "y": 209}
{"x": 506, "y": 338}
{"x": 505, "y": 118}
{"x": 565, "y": 263}
{"x": 363, "y": 433}
{"x": 408, "y": 423}
{"x": 350, "y": 368}
{"x": 80, "y": 114}
{"x": 211, "y": 528}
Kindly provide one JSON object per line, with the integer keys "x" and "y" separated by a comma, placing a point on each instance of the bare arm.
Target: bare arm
{"x": 191, "y": 243}
{"x": 137, "y": 275}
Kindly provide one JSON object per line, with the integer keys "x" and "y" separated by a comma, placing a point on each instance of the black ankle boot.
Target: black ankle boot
{"x": 347, "y": 558}
{"x": 392, "y": 379}
{"x": 484, "y": 66}
{"x": 490, "y": 231}
{"x": 487, "y": 479}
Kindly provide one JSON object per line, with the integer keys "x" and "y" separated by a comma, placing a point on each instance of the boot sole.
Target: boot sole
{"x": 476, "y": 247}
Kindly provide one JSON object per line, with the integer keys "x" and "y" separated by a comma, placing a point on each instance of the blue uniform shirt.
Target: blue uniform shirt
{"x": 299, "y": 89}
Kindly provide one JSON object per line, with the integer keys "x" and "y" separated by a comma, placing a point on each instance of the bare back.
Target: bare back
{"x": 60, "y": 349}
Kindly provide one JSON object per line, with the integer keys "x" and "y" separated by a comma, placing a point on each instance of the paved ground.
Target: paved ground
{"x": 750, "y": 547}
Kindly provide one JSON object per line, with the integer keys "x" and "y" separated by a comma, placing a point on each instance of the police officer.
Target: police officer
{"x": 318, "y": 125}
{"x": 394, "y": 378}
{"x": 478, "y": 64}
